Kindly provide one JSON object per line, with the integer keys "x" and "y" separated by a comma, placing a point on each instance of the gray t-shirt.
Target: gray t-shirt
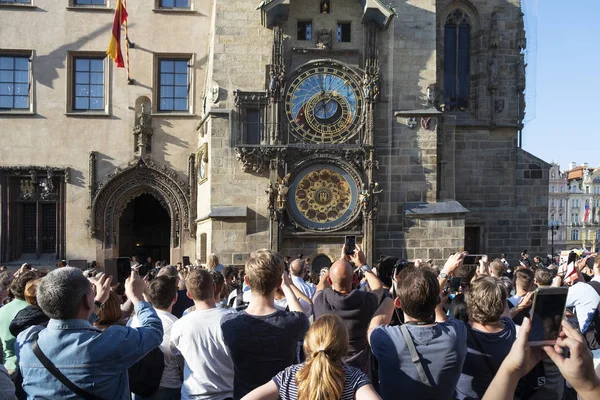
{"x": 262, "y": 346}
{"x": 442, "y": 348}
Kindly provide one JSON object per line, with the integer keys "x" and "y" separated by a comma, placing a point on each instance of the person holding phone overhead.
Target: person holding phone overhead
{"x": 335, "y": 295}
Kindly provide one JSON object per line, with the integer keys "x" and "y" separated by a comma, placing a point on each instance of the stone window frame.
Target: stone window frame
{"x": 73, "y": 4}
{"x": 22, "y": 53}
{"x": 159, "y": 8}
{"x": 70, "y": 110}
{"x": 156, "y": 84}
{"x": 476, "y": 48}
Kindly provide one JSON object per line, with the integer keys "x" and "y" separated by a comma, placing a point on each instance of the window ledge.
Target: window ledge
{"x": 91, "y": 8}
{"x": 17, "y": 113}
{"x": 177, "y": 115}
{"x": 174, "y": 10}
{"x": 88, "y": 114}
{"x": 17, "y": 5}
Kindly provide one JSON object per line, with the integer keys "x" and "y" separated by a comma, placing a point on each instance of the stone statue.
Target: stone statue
{"x": 324, "y": 39}
{"x": 494, "y": 31}
{"x": 363, "y": 196}
{"x": 271, "y": 197}
{"x": 283, "y": 191}
{"x": 375, "y": 191}
{"x": 493, "y": 72}
{"x": 143, "y": 130}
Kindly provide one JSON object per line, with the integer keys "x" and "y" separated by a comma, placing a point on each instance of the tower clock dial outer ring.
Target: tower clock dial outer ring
{"x": 324, "y": 103}
{"x": 324, "y": 196}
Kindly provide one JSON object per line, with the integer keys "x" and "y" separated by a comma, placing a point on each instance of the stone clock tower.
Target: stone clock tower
{"x": 327, "y": 118}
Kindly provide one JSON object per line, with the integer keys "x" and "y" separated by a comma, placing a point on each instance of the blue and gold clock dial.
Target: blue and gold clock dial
{"x": 324, "y": 104}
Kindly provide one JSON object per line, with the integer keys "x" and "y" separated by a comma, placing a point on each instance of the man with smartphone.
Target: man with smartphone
{"x": 335, "y": 295}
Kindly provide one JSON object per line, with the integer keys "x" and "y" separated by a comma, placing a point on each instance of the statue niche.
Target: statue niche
{"x": 142, "y": 127}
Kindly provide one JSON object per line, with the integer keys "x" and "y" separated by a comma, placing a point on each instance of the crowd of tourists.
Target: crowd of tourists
{"x": 398, "y": 330}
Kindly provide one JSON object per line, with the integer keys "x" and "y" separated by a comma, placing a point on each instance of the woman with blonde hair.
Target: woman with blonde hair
{"x": 213, "y": 264}
{"x": 323, "y": 376}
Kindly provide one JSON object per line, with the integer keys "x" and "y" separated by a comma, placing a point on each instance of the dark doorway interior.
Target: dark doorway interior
{"x": 473, "y": 239}
{"x": 144, "y": 230}
{"x": 320, "y": 261}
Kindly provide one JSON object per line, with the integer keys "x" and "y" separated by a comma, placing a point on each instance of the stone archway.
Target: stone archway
{"x": 141, "y": 176}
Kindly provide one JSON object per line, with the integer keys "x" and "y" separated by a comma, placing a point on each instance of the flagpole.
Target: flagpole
{"x": 127, "y": 45}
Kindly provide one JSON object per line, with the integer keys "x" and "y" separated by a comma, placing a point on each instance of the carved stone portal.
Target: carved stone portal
{"x": 141, "y": 176}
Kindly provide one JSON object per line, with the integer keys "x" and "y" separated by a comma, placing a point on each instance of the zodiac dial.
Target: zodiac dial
{"x": 324, "y": 104}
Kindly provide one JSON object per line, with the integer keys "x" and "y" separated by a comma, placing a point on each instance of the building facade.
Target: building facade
{"x": 583, "y": 213}
{"x": 558, "y": 204}
{"x": 284, "y": 124}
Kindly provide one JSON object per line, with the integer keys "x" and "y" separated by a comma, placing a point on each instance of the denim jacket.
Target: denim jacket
{"x": 95, "y": 361}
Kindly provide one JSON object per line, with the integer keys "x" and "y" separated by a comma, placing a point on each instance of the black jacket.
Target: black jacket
{"x": 29, "y": 316}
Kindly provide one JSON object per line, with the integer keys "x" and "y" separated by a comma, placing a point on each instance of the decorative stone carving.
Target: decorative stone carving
{"x": 47, "y": 188}
{"x": 143, "y": 130}
{"x": 277, "y": 68}
{"x": 243, "y": 98}
{"x": 494, "y": 40}
{"x": 91, "y": 177}
{"x": 324, "y": 39}
{"x": 282, "y": 191}
{"x": 411, "y": 122}
{"x": 493, "y": 73}
{"x": 142, "y": 175}
{"x": 31, "y": 186}
{"x": 521, "y": 38}
{"x": 271, "y": 198}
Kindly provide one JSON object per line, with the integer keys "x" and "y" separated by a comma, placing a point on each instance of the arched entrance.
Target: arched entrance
{"x": 143, "y": 185}
{"x": 320, "y": 261}
{"x": 145, "y": 229}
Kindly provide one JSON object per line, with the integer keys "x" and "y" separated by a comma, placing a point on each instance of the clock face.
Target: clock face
{"x": 324, "y": 104}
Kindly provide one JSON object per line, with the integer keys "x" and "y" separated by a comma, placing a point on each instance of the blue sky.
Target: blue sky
{"x": 563, "y": 80}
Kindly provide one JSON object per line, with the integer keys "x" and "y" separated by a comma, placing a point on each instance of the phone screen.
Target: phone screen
{"x": 471, "y": 259}
{"x": 547, "y": 314}
{"x": 455, "y": 283}
{"x": 350, "y": 244}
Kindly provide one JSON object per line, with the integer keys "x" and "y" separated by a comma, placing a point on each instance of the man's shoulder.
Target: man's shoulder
{"x": 458, "y": 326}
{"x": 27, "y": 335}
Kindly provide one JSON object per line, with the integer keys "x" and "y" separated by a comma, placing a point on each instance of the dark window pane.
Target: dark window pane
{"x": 22, "y": 76}
{"x": 82, "y": 103}
{"x": 6, "y": 101}
{"x": 181, "y": 104}
{"x": 7, "y": 62}
{"x": 96, "y": 65}
{"x": 304, "y": 30}
{"x": 253, "y": 126}
{"x": 6, "y": 88}
{"x": 166, "y": 91}
{"x": 6, "y": 76}
{"x": 166, "y": 79}
{"x": 21, "y": 102}
{"x": 29, "y": 227}
{"x": 21, "y": 63}
{"x": 462, "y": 87}
{"x": 82, "y": 64}
{"x": 82, "y": 77}
{"x": 450, "y": 64}
{"x": 343, "y": 32}
{"x": 180, "y": 91}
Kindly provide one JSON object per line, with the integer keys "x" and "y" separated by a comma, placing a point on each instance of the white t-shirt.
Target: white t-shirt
{"x": 585, "y": 299}
{"x": 280, "y": 304}
{"x": 208, "y": 371}
{"x": 170, "y": 377}
{"x": 304, "y": 287}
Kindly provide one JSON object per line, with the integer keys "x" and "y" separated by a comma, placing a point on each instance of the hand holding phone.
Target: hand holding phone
{"x": 349, "y": 245}
{"x": 547, "y": 313}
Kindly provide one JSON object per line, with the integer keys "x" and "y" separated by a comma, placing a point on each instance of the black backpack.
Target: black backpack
{"x": 592, "y": 335}
{"x": 145, "y": 375}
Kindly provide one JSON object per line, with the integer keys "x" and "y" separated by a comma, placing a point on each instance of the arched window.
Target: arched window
{"x": 574, "y": 234}
{"x": 457, "y": 36}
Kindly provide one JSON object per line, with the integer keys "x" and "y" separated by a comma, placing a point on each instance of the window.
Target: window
{"x": 457, "y": 32}
{"x": 89, "y": 2}
{"x": 304, "y": 30}
{"x": 88, "y": 84}
{"x": 15, "y": 1}
{"x": 560, "y": 218}
{"x": 552, "y": 189}
{"x": 174, "y": 4}
{"x": 561, "y": 203}
{"x": 174, "y": 85}
{"x": 574, "y": 234}
{"x": 587, "y": 189}
{"x": 552, "y": 203}
{"x": 343, "y": 32}
{"x": 597, "y": 236}
{"x": 14, "y": 82}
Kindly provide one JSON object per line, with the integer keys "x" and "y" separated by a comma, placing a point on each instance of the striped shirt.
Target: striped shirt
{"x": 286, "y": 382}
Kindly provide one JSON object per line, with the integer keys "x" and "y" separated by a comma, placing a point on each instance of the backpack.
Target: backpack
{"x": 145, "y": 375}
{"x": 592, "y": 335}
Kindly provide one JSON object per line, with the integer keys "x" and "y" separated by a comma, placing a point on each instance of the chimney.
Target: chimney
{"x": 572, "y": 165}
{"x": 584, "y": 165}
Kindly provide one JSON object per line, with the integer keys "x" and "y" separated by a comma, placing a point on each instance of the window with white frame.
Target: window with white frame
{"x": 88, "y": 89}
{"x": 174, "y": 82}
{"x": 575, "y": 234}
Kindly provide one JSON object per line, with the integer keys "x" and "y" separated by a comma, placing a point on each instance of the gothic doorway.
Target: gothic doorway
{"x": 320, "y": 261}
{"x": 145, "y": 230}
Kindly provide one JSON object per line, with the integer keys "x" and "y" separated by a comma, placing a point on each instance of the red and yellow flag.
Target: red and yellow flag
{"x": 114, "y": 47}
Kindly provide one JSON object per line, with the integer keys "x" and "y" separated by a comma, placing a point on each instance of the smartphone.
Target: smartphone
{"x": 350, "y": 242}
{"x": 547, "y": 313}
{"x": 454, "y": 285}
{"x": 186, "y": 261}
{"x": 471, "y": 259}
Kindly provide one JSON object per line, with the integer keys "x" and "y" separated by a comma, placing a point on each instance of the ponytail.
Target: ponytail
{"x": 320, "y": 379}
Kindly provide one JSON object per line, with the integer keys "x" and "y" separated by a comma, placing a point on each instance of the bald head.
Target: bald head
{"x": 341, "y": 276}
{"x": 297, "y": 267}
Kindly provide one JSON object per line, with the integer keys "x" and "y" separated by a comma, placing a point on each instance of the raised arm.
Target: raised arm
{"x": 382, "y": 316}
{"x": 454, "y": 261}
{"x": 286, "y": 286}
{"x": 360, "y": 260}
